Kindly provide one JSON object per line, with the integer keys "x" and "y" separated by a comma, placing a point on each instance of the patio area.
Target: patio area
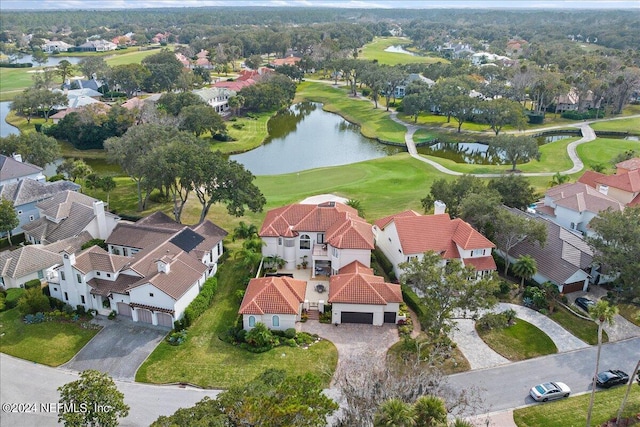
{"x": 317, "y": 287}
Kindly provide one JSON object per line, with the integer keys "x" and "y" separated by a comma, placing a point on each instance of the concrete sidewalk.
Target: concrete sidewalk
{"x": 494, "y": 419}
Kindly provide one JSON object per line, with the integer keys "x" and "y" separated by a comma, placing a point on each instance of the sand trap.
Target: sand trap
{"x": 321, "y": 198}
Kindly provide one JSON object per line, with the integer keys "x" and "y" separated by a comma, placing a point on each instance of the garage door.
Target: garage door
{"x": 354, "y": 317}
{"x": 572, "y": 287}
{"x": 144, "y": 316}
{"x": 389, "y": 317}
{"x": 124, "y": 309}
{"x": 165, "y": 319}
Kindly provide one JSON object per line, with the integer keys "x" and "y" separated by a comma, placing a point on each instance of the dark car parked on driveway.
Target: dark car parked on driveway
{"x": 611, "y": 377}
{"x": 584, "y": 303}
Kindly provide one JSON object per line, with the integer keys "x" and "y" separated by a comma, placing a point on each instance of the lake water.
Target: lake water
{"x": 399, "y": 49}
{"x": 306, "y": 137}
{"x": 5, "y": 128}
{"x": 51, "y": 61}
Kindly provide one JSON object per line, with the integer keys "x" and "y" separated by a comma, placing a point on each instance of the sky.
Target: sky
{"x": 363, "y": 4}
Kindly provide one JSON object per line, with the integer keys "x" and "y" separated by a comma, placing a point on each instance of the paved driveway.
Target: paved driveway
{"x": 118, "y": 349}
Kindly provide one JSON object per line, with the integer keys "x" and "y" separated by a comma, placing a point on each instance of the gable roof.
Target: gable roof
{"x": 439, "y": 233}
{"x": 581, "y": 197}
{"x": 273, "y": 295}
{"x": 630, "y": 164}
{"x": 590, "y": 177}
{"x": 10, "y": 168}
{"x": 356, "y": 284}
{"x": 629, "y": 181}
{"x": 97, "y": 259}
{"x": 29, "y": 190}
{"x": 563, "y": 254}
{"x": 343, "y": 227}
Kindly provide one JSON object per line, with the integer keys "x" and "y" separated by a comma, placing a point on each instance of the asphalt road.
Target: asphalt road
{"x": 507, "y": 386}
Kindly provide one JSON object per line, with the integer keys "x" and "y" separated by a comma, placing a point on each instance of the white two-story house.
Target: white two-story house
{"x": 327, "y": 236}
{"x": 408, "y": 235}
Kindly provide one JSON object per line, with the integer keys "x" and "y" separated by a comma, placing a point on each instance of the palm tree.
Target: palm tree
{"x": 461, "y": 423}
{"x": 558, "y": 179}
{"x": 525, "y": 268}
{"x": 244, "y": 231}
{"x": 626, "y": 394}
{"x": 357, "y": 205}
{"x": 601, "y": 312}
{"x": 429, "y": 411}
{"x": 394, "y": 413}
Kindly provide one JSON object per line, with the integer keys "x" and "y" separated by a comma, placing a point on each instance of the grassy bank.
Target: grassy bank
{"x": 376, "y": 51}
{"x": 207, "y": 361}
{"x": 622, "y": 125}
{"x": 519, "y": 341}
{"x": 604, "y": 150}
{"x": 572, "y": 412}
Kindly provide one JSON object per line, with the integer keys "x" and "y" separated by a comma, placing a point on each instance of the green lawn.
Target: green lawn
{"x": 630, "y": 312}
{"x": 622, "y": 125}
{"x": 132, "y": 56}
{"x": 374, "y": 123}
{"x": 375, "y": 50}
{"x": 604, "y": 150}
{"x": 251, "y": 134}
{"x": 572, "y": 412}
{"x": 586, "y": 330}
{"x": 518, "y": 342}
{"x": 49, "y": 343}
{"x": 207, "y": 361}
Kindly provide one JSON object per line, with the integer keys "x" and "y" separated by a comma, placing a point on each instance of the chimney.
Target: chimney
{"x": 439, "y": 207}
{"x": 17, "y": 157}
{"x": 163, "y": 266}
{"x": 98, "y": 211}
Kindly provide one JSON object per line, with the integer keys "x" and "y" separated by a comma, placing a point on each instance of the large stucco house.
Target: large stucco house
{"x": 275, "y": 301}
{"x": 623, "y": 186}
{"x": 327, "y": 236}
{"x": 408, "y": 235}
{"x": 152, "y": 271}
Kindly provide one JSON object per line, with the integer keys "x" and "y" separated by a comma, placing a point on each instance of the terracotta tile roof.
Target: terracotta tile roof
{"x": 635, "y": 201}
{"x": 590, "y": 178}
{"x": 629, "y": 181}
{"x": 481, "y": 263}
{"x": 97, "y": 259}
{"x": 439, "y": 233}
{"x": 581, "y": 197}
{"x": 383, "y": 222}
{"x": 631, "y": 164}
{"x": 273, "y": 295}
{"x": 356, "y": 284}
{"x": 289, "y": 60}
{"x": 343, "y": 228}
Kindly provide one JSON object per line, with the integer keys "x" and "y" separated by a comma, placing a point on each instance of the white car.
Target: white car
{"x": 549, "y": 391}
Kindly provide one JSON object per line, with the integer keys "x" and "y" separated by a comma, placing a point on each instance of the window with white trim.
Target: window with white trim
{"x": 305, "y": 241}
{"x": 252, "y": 321}
{"x": 275, "y": 321}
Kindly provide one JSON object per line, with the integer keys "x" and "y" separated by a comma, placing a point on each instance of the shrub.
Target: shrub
{"x": 35, "y": 283}
{"x": 290, "y": 333}
{"x": 33, "y": 301}
{"x": 112, "y": 315}
{"x": 80, "y": 310}
{"x": 202, "y": 302}
{"x": 3, "y": 303}
{"x": 413, "y": 301}
{"x": 304, "y": 338}
{"x": 12, "y": 298}
{"x": 366, "y": 91}
{"x": 325, "y": 317}
{"x": 537, "y": 297}
{"x": 223, "y": 137}
{"x": 95, "y": 242}
{"x": 178, "y": 325}
{"x": 177, "y": 338}
{"x": 589, "y": 114}
{"x": 67, "y": 309}
{"x": 238, "y": 126}
{"x": 55, "y": 303}
{"x": 239, "y": 294}
{"x": 54, "y": 178}
{"x": 492, "y": 321}
{"x": 384, "y": 262}
{"x": 260, "y": 337}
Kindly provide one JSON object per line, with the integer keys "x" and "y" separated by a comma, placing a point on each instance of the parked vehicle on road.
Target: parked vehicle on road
{"x": 549, "y": 391}
{"x": 611, "y": 377}
{"x": 584, "y": 303}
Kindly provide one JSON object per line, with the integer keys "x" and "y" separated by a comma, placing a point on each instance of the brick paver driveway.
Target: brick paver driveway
{"x": 118, "y": 349}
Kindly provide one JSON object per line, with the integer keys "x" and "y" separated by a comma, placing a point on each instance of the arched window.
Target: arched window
{"x": 305, "y": 241}
{"x": 252, "y": 321}
{"x": 275, "y": 321}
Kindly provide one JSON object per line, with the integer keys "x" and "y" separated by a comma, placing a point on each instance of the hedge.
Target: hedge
{"x": 413, "y": 301}
{"x": 20, "y": 65}
{"x": 34, "y": 283}
{"x": 200, "y": 303}
{"x": 589, "y": 114}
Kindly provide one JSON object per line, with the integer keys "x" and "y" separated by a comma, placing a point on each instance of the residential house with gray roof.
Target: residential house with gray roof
{"x": 13, "y": 169}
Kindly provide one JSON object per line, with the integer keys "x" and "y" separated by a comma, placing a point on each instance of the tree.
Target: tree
{"x": 357, "y": 205}
{"x": 8, "y": 217}
{"x": 414, "y": 104}
{"x": 33, "y": 301}
{"x": 272, "y": 399}
{"x": 27, "y": 104}
{"x": 461, "y": 108}
{"x": 104, "y": 183}
{"x": 94, "y": 66}
{"x": 272, "y": 93}
{"x": 601, "y": 312}
{"x": 254, "y": 62}
{"x": 99, "y": 400}
{"x": 430, "y": 411}
{"x": 511, "y": 228}
{"x": 627, "y": 392}
{"x": 558, "y": 179}
{"x": 216, "y": 179}
{"x": 235, "y": 103}
{"x": 444, "y": 288}
{"x": 616, "y": 246}
{"x": 200, "y": 119}
{"x": 164, "y": 69}
{"x": 376, "y": 80}
{"x": 173, "y": 103}
{"x": 451, "y": 193}
{"x": 515, "y": 149}
{"x": 74, "y": 169}
{"x": 478, "y": 209}
{"x": 36, "y": 148}
{"x": 128, "y": 77}
{"x": 48, "y": 99}
{"x": 244, "y": 231}
{"x": 502, "y": 111}
{"x": 525, "y": 268}
{"x": 515, "y": 191}
{"x": 394, "y": 413}
{"x": 65, "y": 69}
{"x": 39, "y": 57}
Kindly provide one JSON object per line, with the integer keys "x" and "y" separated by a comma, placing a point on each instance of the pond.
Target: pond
{"x": 51, "y": 61}
{"x": 476, "y": 153}
{"x": 5, "y": 128}
{"x": 306, "y": 137}
{"x": 399, "y": 49}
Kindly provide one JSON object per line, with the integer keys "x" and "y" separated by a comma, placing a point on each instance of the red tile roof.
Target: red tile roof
{"x": 356, "y": 284}
{"x": 382, "y": 222}
{"x": 631, "y": 164}
{"x": 629, "y": 181}
{"x": 590, "y": 178}
{"x": 481, "y": 263}
{"x": 437, "y": 233}
{"x": 343, "y": 227}
{"x": 289, "y": 60}
{"x": 273, "y": 295}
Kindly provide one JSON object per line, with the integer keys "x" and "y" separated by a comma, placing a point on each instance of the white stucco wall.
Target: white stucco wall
{"x": 286, "y": 321}
{"x": 377, "y": 310}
